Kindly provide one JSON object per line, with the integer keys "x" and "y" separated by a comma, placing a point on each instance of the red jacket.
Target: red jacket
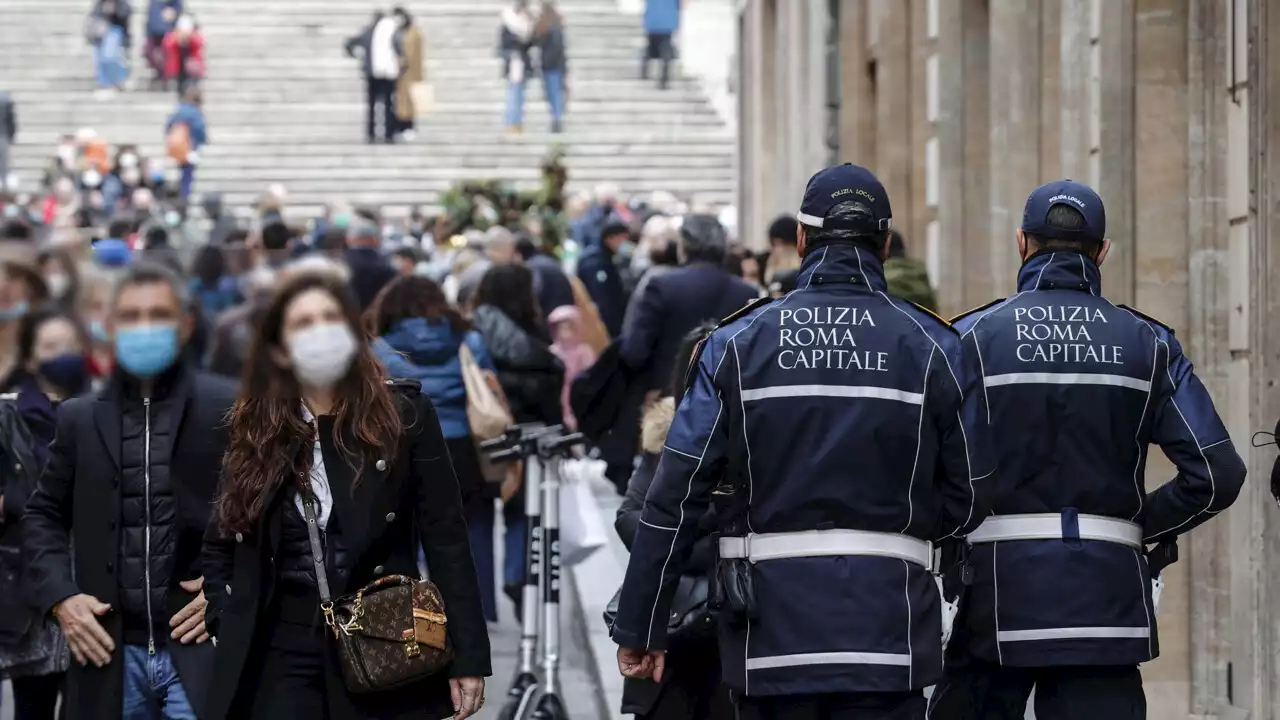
{"x": 195, "y": 55}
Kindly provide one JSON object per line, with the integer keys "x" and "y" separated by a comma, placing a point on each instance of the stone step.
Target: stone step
{"x": 427, "y": 171}
{"x": 315, "y": 134}
{"x": 445, "y": 111}
{"x": 402, "y": 199}
{"x": 447, "y": 97}
{"x": 335, "y": 154}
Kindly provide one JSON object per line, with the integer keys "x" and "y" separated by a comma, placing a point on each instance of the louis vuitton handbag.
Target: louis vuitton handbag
{"x": 392, "y": 632}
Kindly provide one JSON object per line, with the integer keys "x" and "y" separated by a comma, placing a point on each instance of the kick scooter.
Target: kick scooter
{"x": 551, "y": 453}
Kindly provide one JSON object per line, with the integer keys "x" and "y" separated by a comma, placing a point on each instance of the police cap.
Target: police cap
{"x": 1070, "y": 193}
{"x": 845, "y": 183}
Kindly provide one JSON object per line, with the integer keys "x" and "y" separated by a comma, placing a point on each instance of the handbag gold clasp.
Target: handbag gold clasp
{"x": 411, "y": 648}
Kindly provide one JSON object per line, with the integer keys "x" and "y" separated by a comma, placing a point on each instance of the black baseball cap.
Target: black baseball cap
{"x": 1071, "y": 193}
{"x": 842, "y": 183}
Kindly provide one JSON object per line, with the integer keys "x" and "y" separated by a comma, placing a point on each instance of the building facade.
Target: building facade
{"x": 962, "y": 107}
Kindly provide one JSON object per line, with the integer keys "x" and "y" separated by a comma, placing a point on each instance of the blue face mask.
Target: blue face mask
{"x": 15, "y": 311}
{"x": 98, "y": 331}
{"x": 67, "y": 372}
{"x": 147, "y": 350}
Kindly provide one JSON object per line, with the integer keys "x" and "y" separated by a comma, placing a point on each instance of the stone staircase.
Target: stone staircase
{"x": 285, "y": 105}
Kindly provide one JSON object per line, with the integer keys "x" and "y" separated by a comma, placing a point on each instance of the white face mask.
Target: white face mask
{"x": 58, "y": 284}
{"x": 322, "y": 354}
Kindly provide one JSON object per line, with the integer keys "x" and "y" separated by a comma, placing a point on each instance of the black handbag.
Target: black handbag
{"x": 690, "y": 619}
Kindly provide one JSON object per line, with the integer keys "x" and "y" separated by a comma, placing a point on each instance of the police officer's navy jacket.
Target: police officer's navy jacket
{"x": 1077, "y": 389}
{"x": 834, "y": 407}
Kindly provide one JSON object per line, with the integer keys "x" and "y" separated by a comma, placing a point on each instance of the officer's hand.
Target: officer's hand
{"x": 637, "y": 663}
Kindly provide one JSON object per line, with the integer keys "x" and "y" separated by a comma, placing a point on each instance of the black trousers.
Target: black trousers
{"x": 381, "y": 115}
{"x": 834, "y": 706}
{"x": 984, "y": 691}
{"x": 658, "y": 48}
{"x": 36, "y": 697}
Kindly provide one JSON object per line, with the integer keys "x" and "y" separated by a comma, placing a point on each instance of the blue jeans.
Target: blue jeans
{"x": 152, "y": 690}
{"x": 108, "y": 58}
{"x": 515, "y": 103}
{"x": 188, "y": 177}
{"x": 553, "y": 80}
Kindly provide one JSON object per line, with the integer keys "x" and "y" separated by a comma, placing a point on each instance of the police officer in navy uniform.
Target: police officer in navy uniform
{"x": 1078, "y": 388}
{"x": 840, "y": 431}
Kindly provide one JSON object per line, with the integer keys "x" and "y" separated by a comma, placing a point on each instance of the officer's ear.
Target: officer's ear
{"x": 884, "y": 247}
{"x": 1102, "y": 254}
{"x": 801, "y": 236}
{"x": 1022, "y": 245}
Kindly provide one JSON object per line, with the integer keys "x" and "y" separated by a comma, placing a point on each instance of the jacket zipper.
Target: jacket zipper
{"x": 146, "y": 553}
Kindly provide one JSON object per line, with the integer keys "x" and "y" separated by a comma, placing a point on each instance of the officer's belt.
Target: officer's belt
{"x": 758, "y": 547}
{"x": 1050, "y": 526}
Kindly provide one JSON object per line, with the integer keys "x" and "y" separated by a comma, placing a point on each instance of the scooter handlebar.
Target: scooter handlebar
{"x": 562, "y": 443}
{"x": 505, "y": 456}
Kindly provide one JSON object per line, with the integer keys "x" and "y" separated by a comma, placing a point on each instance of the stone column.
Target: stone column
{"x": 857, "y": 109}
{"x": 1160, "y": 251}
{"x": 1015, "y": 127}
{"x": 1205, "y": 341}
{"x": 1114, "y": 33}
{"x": 893, "y": 91}
{"x": 1265, "y": 393}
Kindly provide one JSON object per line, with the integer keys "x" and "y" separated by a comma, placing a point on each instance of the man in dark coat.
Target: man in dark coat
{"x": 370, "y": 270}
{"x": 550, "y": 283}
{"x": 672, "y": 304}
{"x": 597, "y": 270}
{"x": 680, "y": 300}
{"x": 130, "y": 481}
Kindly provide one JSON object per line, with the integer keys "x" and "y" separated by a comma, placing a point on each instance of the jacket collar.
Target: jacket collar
{"x": 838, "y": 263}
{"x": 171, "y": 385}
{"x": 1060, "y": 270}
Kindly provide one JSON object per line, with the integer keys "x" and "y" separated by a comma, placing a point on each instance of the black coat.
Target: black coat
{"x": 78, "y": 501}
{"x": 370, "y": 272}
{"x": 411, "y": 502}
{"x": 530, "y": 374}
{"x": 672, "y": 305}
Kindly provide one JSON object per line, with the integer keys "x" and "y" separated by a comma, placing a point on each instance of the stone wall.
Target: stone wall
{"x": 963, "y": 106}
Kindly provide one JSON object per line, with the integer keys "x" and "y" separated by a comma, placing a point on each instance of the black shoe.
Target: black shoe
{"x": 516, "y": 594}
{"x": 557, "y": 127}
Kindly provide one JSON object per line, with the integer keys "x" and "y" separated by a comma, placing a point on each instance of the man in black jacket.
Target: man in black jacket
{"x": 370, "y": 269}
{"x": 129, "y": 483}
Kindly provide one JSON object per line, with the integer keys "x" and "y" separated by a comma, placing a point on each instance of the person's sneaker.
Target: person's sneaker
{"x": 557, "y": 126}
{"x": 409, "y": 135}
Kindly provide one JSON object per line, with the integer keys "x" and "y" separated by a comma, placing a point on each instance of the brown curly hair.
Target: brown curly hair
{"x": 270, "y": 443}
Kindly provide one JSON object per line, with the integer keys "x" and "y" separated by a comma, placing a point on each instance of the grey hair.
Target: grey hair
{"x": 498, "y": 237}
{"x": 150, "y": 273}
{"x": 702, "y": 238}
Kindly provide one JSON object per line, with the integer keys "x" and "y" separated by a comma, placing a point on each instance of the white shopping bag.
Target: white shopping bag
{"x": 582, "y": 531}
{"x": 949, "y": 611}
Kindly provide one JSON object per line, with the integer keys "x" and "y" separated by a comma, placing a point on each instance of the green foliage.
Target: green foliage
{"x": 481, "y": 204}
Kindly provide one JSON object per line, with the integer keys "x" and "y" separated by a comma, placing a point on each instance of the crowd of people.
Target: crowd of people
{"x": 126, "y": 344}
{"x": 174, "y": 47}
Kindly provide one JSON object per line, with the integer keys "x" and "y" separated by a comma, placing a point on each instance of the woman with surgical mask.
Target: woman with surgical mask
{"x": 50, "y": 369}
{"x": 21, "y": 290}
{"x": 319, "y": 438}
{"x": 60, "y": 276}
{"x": 94, "y": 305}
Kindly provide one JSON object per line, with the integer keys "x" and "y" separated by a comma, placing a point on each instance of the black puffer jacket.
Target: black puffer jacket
{"x": 147, "y": 508}
{"x": 530, "y": 374}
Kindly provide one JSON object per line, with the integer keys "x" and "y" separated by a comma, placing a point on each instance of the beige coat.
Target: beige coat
{"x": 412, "y": 73}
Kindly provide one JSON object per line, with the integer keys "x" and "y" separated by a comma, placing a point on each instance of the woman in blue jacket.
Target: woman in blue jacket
{"x": 418, "y": 337}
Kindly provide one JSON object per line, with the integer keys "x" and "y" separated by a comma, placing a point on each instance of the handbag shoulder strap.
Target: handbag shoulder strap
{"x": 317, "y": 554}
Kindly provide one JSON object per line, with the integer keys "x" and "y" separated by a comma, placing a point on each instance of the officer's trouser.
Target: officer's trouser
{"x": 984, "y": 691}
{"x": 833, "y": 706}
